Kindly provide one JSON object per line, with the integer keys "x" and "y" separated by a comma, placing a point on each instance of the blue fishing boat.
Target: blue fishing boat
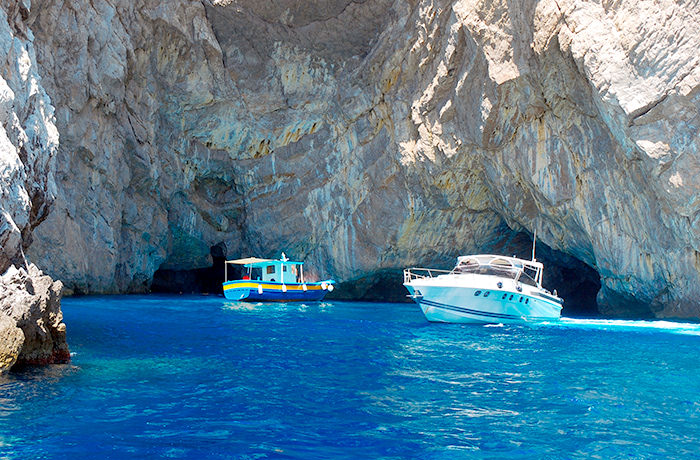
{"x": 269, "y": 280}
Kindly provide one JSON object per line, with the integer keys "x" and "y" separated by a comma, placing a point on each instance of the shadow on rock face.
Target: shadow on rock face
{"x": 616, "y": 305}
{"x": 380, "y": 286}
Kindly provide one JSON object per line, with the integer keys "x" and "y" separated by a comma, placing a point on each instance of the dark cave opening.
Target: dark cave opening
{"x": 578, "y": 286}
{"x": 196, "y": 281}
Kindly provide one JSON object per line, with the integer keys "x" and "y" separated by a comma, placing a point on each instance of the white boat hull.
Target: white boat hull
{"x": 441, "y": 302}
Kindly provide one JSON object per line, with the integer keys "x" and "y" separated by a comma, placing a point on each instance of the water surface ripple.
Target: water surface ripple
{"x": 202, "y": 377}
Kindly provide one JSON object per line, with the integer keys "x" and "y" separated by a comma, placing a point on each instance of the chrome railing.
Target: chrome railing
{"x": 410, "y": 274}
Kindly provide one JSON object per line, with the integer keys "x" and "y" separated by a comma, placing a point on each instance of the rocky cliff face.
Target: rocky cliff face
{"x": 31, "y": 330}
{"x": 369, "y": 135}
{"x": 28, "y": 138}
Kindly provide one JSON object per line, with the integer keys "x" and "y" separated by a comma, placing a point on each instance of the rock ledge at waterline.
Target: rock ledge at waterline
{"x": 31, "y": 321}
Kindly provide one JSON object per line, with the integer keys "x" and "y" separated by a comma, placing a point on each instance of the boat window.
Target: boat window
{"x": 501, "y": 263}
{"x": 486, "y": 294}
{"x": 466, "y": 266}
{"x": 270, "y": 269}
{"x": 284, "y": 268}
{"x": 496, "y": 267}
{"x": 477, "y": 293}
{"x": 529, "y": 276}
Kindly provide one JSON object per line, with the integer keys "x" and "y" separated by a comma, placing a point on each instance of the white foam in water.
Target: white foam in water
{"x": 621, "y": 324}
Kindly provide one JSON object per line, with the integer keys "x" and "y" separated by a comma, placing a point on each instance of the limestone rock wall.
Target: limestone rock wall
{"x": 371, "y": 135}
{"x": 137, "y": 187}
{"x": 31, "y": 328}
{"x": 28, "y": 137}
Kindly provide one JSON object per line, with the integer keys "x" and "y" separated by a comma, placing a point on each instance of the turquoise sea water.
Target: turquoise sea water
{"x": 200, "y": 377}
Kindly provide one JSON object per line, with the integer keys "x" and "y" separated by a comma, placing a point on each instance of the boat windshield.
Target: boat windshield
{"x": 528, "y": 276}
{"x": 498, "y": 267}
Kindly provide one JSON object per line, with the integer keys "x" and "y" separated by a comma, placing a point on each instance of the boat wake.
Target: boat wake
{"x": 629, "y": 325}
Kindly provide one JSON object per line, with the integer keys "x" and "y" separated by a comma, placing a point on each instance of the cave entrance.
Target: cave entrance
{"x": 196, "y": 281}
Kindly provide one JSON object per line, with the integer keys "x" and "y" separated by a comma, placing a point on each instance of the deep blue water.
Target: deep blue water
{"x": 200, "y": 377}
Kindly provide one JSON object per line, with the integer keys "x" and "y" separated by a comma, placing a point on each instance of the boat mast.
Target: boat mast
{"x": 534, "y": 239}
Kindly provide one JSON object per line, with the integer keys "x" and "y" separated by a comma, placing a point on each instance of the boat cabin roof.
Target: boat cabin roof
{"x": 255, "y": 262}
{"x": 502, "y": 261}
{"x": 492, "y": 264}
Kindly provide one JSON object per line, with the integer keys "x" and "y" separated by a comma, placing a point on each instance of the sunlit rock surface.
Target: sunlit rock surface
{"x": 31, "y": 331}
{"x": 28, "y": 138}
{"x": 365, "y": 136}
{"x": 31, "y": 301}
{"x": 11, "y": 343}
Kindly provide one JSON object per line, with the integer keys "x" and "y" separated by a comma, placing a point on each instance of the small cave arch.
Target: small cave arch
{"x": 575, "y": 281}
{"x": 205, "y": 280}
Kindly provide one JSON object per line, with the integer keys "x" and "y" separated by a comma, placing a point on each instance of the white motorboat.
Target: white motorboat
{"x": 484, "y": 289}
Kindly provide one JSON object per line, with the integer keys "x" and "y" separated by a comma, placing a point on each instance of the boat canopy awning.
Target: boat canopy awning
{"x": 256, "y": 262}
{"x": 248, "y": 260}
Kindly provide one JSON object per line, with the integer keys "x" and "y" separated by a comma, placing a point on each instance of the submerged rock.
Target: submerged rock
{"x": 31, "y": 319}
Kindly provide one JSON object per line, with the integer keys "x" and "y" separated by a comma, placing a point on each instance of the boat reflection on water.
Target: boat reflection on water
{"x": 243, "y": 306}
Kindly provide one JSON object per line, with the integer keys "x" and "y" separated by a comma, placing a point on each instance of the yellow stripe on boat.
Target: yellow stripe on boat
{"x": 276, "y": 287}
